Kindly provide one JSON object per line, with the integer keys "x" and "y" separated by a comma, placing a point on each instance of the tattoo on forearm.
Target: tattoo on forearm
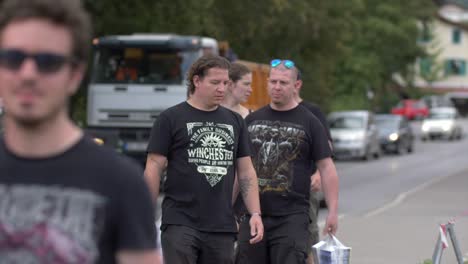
{"x": 245, "y": 185}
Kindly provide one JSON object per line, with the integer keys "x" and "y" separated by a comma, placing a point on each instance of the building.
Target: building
{"x": 445, "y": 38}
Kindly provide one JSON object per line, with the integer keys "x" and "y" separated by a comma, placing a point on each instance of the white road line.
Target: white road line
{"x": 402, "y": 196}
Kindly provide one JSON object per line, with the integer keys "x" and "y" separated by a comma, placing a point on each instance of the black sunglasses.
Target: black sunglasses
{"x": 46, "y": 62}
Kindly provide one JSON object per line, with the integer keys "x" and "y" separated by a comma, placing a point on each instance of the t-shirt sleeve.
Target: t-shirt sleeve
{"x": 136, "y": 228}
{"x": 243, "y": 148}
{"x": 320, "y": 148}
{"x": 160, "y": 137}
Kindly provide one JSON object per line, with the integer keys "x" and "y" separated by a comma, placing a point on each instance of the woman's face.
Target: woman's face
{"x": 242, "y": 89}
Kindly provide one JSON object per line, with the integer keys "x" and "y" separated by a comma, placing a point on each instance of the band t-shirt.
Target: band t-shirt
{"x": 202, "y": 148}
{"x": 80, "y": 206}
{"x": 285, "y": 146}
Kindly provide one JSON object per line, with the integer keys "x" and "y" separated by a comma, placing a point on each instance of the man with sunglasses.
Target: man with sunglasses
{"x": 287, "y": 140}
{"x": 63, "y": 199}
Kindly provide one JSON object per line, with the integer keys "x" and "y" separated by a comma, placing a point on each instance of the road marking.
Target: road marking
{"x": 402, "y": 196}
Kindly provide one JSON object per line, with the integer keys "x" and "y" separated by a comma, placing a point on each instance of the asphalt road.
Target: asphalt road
{"x": 369, "y": 185}
{"x": 390, "y": 208}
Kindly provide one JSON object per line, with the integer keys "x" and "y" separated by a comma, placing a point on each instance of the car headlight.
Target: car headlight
{"x": 425, "y": 128}
{"x": 98, "y": 141}
{"x": 393, "y": 137}
{"x": 447, "y": 127}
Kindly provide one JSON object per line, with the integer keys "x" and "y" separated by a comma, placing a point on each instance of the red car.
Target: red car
{"x": 411, "y": 109}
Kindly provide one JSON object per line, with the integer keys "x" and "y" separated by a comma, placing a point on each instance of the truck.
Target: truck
{"x": 135, "y": 77}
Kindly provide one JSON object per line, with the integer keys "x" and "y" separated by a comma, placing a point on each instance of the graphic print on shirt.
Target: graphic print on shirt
{"x": 40, "y": 224}
{"x": 211, "y": 149}
{"x": 275, "y": 147}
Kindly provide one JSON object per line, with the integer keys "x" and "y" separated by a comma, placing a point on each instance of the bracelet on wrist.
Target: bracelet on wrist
{"x": 259, "y": 214}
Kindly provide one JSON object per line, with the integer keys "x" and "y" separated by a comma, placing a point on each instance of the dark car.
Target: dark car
{"x": 411, "y": 109}
{"x": 395, "y": 133}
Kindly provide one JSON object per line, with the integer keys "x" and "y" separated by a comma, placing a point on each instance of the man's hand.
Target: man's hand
{"x": 315, "y": 182}
{"x": 256, "y": 228}
{"x": 331, "y": 225}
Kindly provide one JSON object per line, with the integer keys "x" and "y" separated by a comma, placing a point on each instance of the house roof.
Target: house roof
{"x": 460, "y": 3}
{"x": 463, "y": 26}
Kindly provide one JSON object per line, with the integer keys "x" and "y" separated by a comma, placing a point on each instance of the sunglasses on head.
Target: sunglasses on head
{"x": 287, "y": 63}
{"x": 46, "y": 62}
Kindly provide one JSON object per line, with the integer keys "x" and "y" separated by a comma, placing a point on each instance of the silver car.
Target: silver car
{"x": 354, "y": 134}
{"x": 443, "y": 122}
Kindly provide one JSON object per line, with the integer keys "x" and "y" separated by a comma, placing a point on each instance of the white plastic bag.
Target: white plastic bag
{"x": 331, "y": 251}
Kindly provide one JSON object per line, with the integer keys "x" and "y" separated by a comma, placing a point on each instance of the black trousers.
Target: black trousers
{"x": 285, "y": 240}
{"x": 185, "y": 245}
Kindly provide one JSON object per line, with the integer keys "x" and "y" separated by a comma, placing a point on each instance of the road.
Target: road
{"x": 390, "y": 207}
{"x": 368, "y": 185}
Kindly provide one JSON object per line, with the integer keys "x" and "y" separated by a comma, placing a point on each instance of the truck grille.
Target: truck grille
{"x": 129, "y": 116}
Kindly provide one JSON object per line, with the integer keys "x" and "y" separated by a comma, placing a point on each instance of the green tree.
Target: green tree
{"x": 383, "y": 43}
{"x": 344, "y": 48}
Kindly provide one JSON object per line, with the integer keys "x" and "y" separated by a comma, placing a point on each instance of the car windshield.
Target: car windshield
{"x": 346, "y": 122}
{"x": 141, "y": 65}
{"x": 387, "y": 122}
{"x": 438, "y": 116}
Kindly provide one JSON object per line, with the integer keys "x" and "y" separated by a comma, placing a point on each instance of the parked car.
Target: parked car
{"x": 395, "y": 133}
{"x": 443, "y": 122}
{"x": 411, "y": 109}
{"x": 354, "y": 134}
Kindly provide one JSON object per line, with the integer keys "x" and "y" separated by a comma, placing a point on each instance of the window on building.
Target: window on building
{"x": 455, "y": 67}
{"x": 425, "y": 65}
{"x": 425, "y": 34}
{"x": 456, "y": 36}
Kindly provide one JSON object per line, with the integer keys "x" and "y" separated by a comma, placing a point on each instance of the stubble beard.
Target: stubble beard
{"x": 32, "y": 123}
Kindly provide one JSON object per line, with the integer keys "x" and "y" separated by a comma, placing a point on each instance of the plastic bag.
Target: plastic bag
{"x": 331, "y": 251}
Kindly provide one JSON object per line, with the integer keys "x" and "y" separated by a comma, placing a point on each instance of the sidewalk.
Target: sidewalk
{"x": 406, "y": 233}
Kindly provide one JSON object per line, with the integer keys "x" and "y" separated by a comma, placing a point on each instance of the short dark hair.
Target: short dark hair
{"x": 201, "y": 66}
{"x": 67, "y": 13}
{"x": 237, "y": 71}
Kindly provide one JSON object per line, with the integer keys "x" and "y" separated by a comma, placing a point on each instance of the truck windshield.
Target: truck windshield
{"x": 141, "y": 65}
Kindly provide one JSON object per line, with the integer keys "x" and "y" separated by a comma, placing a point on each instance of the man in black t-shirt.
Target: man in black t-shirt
{"x": 287, "y": 140}
{"x": 63, "y": 199}
{"x": 203, "y": 145}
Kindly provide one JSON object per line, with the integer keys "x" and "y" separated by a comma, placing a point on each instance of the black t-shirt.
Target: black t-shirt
{"x": 319, "y": 114}
{"x": 81, "y": 206}
{"x": 285, "y": 145}
{"x": 202, "y": 148}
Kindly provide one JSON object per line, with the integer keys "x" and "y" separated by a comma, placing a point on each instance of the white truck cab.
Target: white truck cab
{"x": 133, "y": 79}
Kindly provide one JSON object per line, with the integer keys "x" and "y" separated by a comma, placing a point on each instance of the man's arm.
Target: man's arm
{"x": 248, "y": 185}
{"x": 155, "y": 166}
{"x": 330, "y": 187}
{"x": 143, "y": 257}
